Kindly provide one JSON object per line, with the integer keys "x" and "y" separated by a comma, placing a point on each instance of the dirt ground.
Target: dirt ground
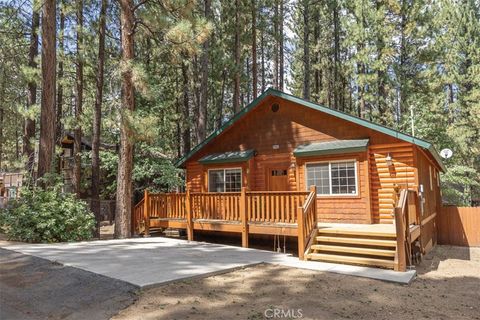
{"x": 447, "y": 287}
{"x": 32, "y": 288}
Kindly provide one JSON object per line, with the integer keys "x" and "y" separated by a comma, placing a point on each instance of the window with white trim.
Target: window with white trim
{"x": 333, "y": 178}
{"x": 224, "y": 180}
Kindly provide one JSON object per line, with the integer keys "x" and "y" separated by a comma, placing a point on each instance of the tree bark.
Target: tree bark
{"x": 262, "y": 54}
{"x": 186, "y": 110}
{"x": 125, "y": 165}
{"x": 254, "y": 50}
{"x": 2, "y": 114}
{"x": 61, "y": 46}
{"x": 402, "y": 104}
{"x": 97, "y": 118}
{"x": 29, "y": 127}
{"x": 306, "y": 50}
{"x": 238, "y": 66}
{"x": 47, "y": 113}
{"x": 316, "y": 58}
{"x": 77, "y": 146}
{"x": 220, "y": 101}
{"x": 275, "y": 46}
{"x": 280, "y": 45}
{"x": 381, "y": 89}
{"x": 336, "y": 56}
{"x": 205, "y": 60}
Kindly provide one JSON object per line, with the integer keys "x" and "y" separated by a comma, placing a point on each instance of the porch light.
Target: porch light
{"x": 388, "y": 159}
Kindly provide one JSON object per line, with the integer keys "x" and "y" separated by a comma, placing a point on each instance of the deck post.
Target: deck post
{"x": 400, "y": 255}
{"x": 146, "y": 214}
{"x": 301, "y": 234}
{"x": 189, "y": 214}
{"x": 313, "y": 188}
{"x": 244, "y": 216}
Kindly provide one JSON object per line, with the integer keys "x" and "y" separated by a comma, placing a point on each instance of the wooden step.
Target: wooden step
{"x": 372, "y": 242}
{"x": 354, "y": 232}
{"x": 354, "y": 250}
{"x": 351, "y": 260}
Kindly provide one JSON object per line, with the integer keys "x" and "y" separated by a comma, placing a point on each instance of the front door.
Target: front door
{"x": 278, "y": 179}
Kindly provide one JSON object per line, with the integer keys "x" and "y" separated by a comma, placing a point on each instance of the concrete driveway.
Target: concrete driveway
{"x": 151, "y": 261}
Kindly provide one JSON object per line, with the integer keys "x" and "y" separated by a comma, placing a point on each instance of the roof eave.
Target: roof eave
{"x": 328, "y": 152}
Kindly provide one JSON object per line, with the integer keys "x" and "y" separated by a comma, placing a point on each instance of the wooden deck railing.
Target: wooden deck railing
{"x": 167, "y": 205}
{"x": 216, "y": 206}
{"x": 307, "y": 222}
{"x": 284, "y": 208}
{"x": 274, "y": 207}
{"x": 406, "y": 214}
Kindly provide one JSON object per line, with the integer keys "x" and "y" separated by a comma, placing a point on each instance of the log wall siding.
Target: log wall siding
{"x": 384, "y": 178}
{"x": 293, "y": 125}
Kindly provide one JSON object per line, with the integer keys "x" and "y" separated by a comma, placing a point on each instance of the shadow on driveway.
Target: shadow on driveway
{"x": 34, "y": 288}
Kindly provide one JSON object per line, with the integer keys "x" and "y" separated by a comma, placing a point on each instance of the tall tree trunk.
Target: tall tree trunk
{"x": 336, "y": 56}
{"x": 238, "y": 66}
{"x": 220, "y": 102}
{"x": 316, "y": 56}
{"x": 29, "y": 133}
{"x": 402, "y": 104}
{"x": 306, "y": 50}
{"x": 47, "y": 113}
{"x": 125, "y": 165}
{"x": 178, "y": 108}
{"x": 2, "y": 113}
{"x": 254, "y": 50}
{"x": 262, "y": 53}
{"x": 77, "y": 146}
{"x": 275, "y": 45}
{"x": 381, "y": 85}
{"x": 61, "y": 46}
{"x": 186, "y": 110}
{"x": 97, "y": 117}
{"x": 202, "y": 110}
{"x": 280, "y": 45}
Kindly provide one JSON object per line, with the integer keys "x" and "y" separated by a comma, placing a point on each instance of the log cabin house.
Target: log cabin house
{"x": 351, "y": 191}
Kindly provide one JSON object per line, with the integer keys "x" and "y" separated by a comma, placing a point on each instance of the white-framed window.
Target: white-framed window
{"x": 333, "y": 177}
{"x": 225, "y": 180}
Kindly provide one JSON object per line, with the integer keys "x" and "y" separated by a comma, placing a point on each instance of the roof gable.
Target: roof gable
{"x": 362, "y": 122}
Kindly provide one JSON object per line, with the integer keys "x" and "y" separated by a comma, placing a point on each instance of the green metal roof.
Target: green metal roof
{"x": 331, "y": 147}
{"x": 365, "y": 123}
{"x": 226, "y": 157}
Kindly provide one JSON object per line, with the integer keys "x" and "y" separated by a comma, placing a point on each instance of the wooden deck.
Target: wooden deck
{"x": 289, "y": 214}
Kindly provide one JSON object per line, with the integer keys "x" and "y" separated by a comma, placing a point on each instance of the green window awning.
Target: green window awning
{"x": 226, "y": 157}
{"x": 331, "y": 147}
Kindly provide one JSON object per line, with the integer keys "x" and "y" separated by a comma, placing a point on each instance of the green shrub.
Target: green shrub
{"x": 47, "y": 216}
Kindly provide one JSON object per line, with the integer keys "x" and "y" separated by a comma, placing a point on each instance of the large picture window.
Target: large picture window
{"x": 333, "y": 178}
{"x": 224, "y": 180}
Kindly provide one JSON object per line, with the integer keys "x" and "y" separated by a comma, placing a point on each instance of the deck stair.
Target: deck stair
{"x": 357, "y": 245}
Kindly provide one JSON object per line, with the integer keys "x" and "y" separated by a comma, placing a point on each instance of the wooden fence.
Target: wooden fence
{"x": 459, "y": 226}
